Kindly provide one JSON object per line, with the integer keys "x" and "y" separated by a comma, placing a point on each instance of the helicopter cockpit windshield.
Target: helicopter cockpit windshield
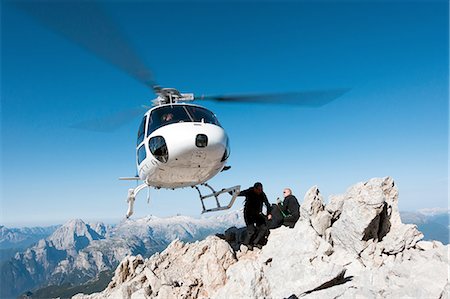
{"x": 166, "y": 115}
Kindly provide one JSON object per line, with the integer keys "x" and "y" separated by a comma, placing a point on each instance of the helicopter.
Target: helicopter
{"x": 179, "y": 144}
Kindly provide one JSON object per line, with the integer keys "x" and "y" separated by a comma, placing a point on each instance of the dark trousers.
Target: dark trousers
{"x": 277, "y": 217}
{"x": 256, "y": 228}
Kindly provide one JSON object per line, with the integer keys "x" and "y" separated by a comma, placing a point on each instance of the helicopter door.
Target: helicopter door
{"x": 141, "y": 131}
{"x": 141, "y": 154}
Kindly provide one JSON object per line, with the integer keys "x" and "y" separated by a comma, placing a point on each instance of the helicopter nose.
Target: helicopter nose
{"x": 201, "y": 140}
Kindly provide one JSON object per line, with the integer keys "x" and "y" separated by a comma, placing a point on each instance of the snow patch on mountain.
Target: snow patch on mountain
{"x": 434, "y": 211}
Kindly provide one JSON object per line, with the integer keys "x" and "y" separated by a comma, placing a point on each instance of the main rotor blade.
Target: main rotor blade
{"x": 112, "y": 122}
{"x": 315, "y": 98}
{"x": 88, "y": 25}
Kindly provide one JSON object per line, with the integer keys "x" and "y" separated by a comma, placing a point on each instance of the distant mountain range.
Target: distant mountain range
{"x": 13, "y": 240}
{"x": 433, "y": 223}
{"x": 77, "y": 252}
{"x": 23, "y": 237}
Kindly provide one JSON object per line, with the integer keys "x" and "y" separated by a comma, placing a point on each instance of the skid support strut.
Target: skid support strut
{"x": 132, "y": 197}
{"x": 234, "y": 191}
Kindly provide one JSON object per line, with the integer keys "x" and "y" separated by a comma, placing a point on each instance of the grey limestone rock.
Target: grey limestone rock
{"x": 362, "y": 250}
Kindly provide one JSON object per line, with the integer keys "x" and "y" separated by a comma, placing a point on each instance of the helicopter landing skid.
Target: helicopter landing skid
{"x": 233, "y": 191}
{"x": 132, "y": 197}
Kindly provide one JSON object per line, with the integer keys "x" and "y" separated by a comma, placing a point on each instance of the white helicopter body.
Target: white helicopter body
{"x": 180, "y": 145}
{"x": 185, "y": 152}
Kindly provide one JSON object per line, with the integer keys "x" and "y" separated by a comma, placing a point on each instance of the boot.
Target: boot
{"x": 251, "y": 230}
{"x": 262, "y": 231}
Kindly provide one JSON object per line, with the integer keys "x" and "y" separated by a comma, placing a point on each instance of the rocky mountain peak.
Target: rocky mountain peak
{"x": 77, "y": 252}
{"x": 353, "y": 247}
{"x": 100, "y": 228}
{"x": 73, "y": 234}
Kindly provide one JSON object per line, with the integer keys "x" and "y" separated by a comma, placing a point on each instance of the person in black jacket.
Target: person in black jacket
{"x": 290, "y": 208}
{"x": 254, "y": 219}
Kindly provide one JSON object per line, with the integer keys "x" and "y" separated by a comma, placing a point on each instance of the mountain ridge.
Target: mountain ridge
{"x": 76, "y": 252}
{"x": 355, "y": 246}
{"x": 102, "y": 246}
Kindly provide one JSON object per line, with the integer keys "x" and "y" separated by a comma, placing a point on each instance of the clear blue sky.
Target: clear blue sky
{"x": 394, "y": 121}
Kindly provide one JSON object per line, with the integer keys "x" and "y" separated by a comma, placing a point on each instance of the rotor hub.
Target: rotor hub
{"x": 171, "y": 95}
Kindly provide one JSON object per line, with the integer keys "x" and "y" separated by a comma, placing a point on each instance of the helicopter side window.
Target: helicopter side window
{"x": 200, "y": 114}
{"x": 167, "y": 115}
{"x": 141, "y": 131}
{"x": 141, "y": 154}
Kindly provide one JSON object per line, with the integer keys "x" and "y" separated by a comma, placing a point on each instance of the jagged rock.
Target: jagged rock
{"x": 127, "y": 269}
{"x": 313, "y": 210}
{"x": 77, "y": 252}
{"x": 366, "y": 253}
{"x": 359, "y": 220}
{"x": 335, "y": 206}
{"x": 427, "y": 245}
{"x": 302, "y": 266}
{"x": 180, "y": 271}
{"x": 397, "y": 276}
{"x": 322, "y": 222}
{"x": 370, "y": 211}
{"x": 401, "y": 237}
{"x": 312, "y": 203}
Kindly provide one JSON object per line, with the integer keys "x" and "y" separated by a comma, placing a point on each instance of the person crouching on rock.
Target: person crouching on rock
{"x": 286, "y": 212}
{"x": 253, "y": 216}
{"x": 290, "y": 208}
